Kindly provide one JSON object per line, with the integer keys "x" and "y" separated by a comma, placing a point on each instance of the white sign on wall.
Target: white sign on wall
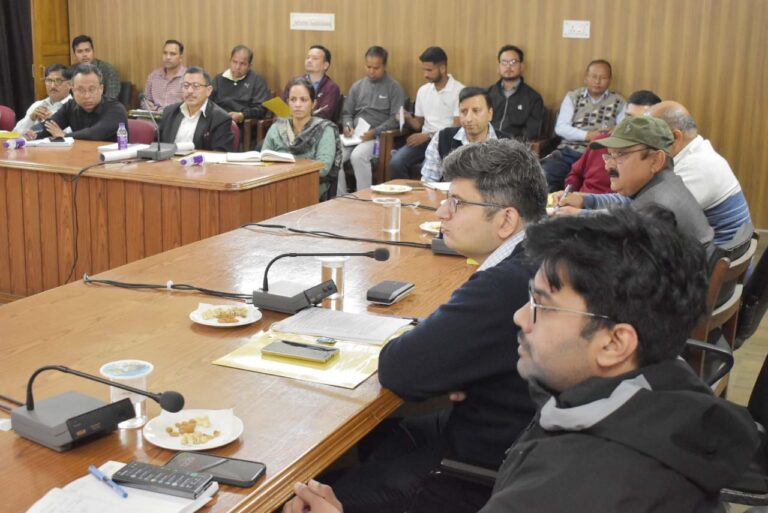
{"x": 313, "y": 21}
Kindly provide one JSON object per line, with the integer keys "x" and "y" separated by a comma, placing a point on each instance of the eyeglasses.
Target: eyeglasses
{"x": 621, "y": 157}
{"x": 510, "y": 62}
{"x": 454, "y": 203}
{"x": 536, "y": 306}
{"x": 83, "y": 91}
{"x": 193, "y": 85}
{"x": 55, "y": 81}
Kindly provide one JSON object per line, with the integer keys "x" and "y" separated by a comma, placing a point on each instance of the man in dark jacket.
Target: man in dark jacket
{"x": 518, "y": 109}
{"x": 497, "y": 190}
{"x": 622, "y": 424}
{"x": 239, "y": 90}
{"x": 197, "y": 119}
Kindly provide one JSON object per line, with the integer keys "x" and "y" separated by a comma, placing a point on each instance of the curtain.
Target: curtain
{"x": 17, "y": 88}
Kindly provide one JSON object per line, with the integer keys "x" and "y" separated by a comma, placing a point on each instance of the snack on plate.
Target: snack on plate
{"x": 187, "y": 430}
{"x": 226, "y": 314}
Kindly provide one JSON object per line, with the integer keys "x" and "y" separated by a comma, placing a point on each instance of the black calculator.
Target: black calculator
{"x": 155, "y": 478}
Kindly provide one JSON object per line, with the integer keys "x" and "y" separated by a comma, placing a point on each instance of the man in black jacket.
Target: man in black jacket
{"x": 517, "y": 108}
{"x": 621, "y": 423}
{"x": 497, "y": 190}
{"x": 197, "y": 119}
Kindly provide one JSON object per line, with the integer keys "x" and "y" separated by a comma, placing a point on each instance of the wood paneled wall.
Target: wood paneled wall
{"x": 708, "y": 54}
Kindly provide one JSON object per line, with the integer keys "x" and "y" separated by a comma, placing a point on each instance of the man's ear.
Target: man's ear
{"x": 510, "y": 223}
{"x": 619, "y": 348}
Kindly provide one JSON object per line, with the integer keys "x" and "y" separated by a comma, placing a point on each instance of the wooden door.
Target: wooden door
{"x": 50, "y": 38}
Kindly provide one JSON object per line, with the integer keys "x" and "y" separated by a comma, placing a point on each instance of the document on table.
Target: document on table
{"x": 89, "y": 495}
{"x": 353, "y": 327}
{"x": 357, "y": 136}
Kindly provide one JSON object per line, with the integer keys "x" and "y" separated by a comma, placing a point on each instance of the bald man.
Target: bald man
{"x": 704, "y": 172}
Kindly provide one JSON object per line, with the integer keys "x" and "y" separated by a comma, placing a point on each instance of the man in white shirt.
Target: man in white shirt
{"x": 58, "y": 86}
{"x": 437, "y": 107}
{"x": 704, "y": 172}
{"x": 197, "y": 119}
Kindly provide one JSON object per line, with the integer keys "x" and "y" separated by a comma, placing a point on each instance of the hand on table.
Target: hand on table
{"x": 313, "y": 497}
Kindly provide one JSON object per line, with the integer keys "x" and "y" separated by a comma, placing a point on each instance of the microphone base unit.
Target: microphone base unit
{"x": 293, "y": 303}
{"x": 70, "y": 419}
{"x": 165, "y": 151}
{"x": 440, "y": 248}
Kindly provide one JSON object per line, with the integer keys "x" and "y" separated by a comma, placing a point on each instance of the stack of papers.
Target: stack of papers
{"x": 261, "y": 156}
{"x": 89, "y": 495}
{"x": 361, "y": 327}
{"x": 357, "y": 136}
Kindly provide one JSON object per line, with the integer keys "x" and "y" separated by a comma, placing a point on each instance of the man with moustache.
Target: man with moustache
{"x": 437, "y": 107}
{"x": 58, "y": 86}
{"x": 91, "y": 116}
{"x": 518, "y": 109}
{"x": 163, "y": 85}
{"x": 197, "y": 119}
{"x": 239, "y": 90}
{"x": 475, "y": 114}
{"x": 640, "y": 168}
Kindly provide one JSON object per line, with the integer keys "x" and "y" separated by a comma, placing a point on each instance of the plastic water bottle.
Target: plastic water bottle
{"x": 376, "y": 148}
{"x": 122, "y": 137}
{"x": 14, "y": 144}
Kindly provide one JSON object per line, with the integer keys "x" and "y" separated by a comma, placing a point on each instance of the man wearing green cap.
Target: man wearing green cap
{"x": 640, "y": 169}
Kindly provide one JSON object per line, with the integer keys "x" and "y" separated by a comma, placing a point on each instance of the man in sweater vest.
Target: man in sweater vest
{"x": 475, "y": 115}
{"x": 497, "y": 191}
{"x": 585, "y": 114}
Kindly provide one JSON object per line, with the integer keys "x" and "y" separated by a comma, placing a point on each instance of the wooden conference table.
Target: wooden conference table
{"x": 297, "y": 428}
{"x": 125, "y": 211}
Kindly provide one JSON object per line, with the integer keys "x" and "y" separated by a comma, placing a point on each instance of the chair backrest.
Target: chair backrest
{"x": 754, "y": 302}
{"x": 236, "y": 136}
{"x": 336, "y": 115}
{"x": 734, "y": 249}
{"x": 7, "y": 118}
{"x": 124, "y": 96}
{"x": 141, "y": 131}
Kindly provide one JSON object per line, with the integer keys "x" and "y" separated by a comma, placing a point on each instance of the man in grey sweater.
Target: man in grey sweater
{"x": 376, "y": 98}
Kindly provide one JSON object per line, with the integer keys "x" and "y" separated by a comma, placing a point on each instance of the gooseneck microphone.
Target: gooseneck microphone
{"x": 170, "y": 401}
{"x": 295, "y": 297}
{"x": 70, "y": 419}
{"x": 164, "y": 151}
{"x": 379, "y": 254}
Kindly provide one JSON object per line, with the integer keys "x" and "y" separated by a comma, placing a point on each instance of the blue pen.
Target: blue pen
{"x": 98, "y": 474}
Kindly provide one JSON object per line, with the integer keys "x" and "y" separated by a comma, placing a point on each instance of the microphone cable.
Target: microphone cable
{"x": 331, "y": 235}
{"x": 416, "y": 204}
{"x": 168, "y": 286}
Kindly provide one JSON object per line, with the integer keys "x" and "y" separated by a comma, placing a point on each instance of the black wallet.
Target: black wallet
{"x": 389, "y": 292}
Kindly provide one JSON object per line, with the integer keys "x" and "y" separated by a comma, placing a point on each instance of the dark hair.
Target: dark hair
{"x": 81, "y": 39}
{"x": 644, "y": 97}
{"x": 435, "y": 55}
{"x": 631, "y": 265}
{"x": 177, "y": 43}
{"x": 505, "y": 172}
{"x": 325, "y": 50}
{"x": 242, "y": 48}
{"x": 604, "y": 63}
{"x": 65, "y": 72}
{"x": 86, "y": 69}
{"x": 472, "y": 91}
{"x": 378, "y": 51}
{"x": 197, "y": 70}
{"x": 301, "y": 81}
{"x": 511, "y": 48}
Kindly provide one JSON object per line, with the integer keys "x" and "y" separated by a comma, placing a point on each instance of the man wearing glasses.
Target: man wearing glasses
{"x": 621, "y": 424}
{"x": 497, "y": 190}
{"x": 90, "y": 116}
{"x": 517, "y": 108}
{"x": 57, "y": 85}
{"x": 197, "y": 119}
{"x": 640, "y": 169}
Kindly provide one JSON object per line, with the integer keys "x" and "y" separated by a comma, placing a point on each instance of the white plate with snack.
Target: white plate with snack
{"x": 225, "y": 316}
{"x": 431, "y": 227}
{"x": 385, "y": 188}
{"x": 193, "y": 430}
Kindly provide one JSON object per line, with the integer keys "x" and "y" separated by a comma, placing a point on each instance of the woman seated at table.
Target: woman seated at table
{"x": 306, "y": 136}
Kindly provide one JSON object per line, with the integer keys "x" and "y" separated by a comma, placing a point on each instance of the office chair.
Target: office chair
{"x": 7, "y": 118}
{"x": 141, "y": 131}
